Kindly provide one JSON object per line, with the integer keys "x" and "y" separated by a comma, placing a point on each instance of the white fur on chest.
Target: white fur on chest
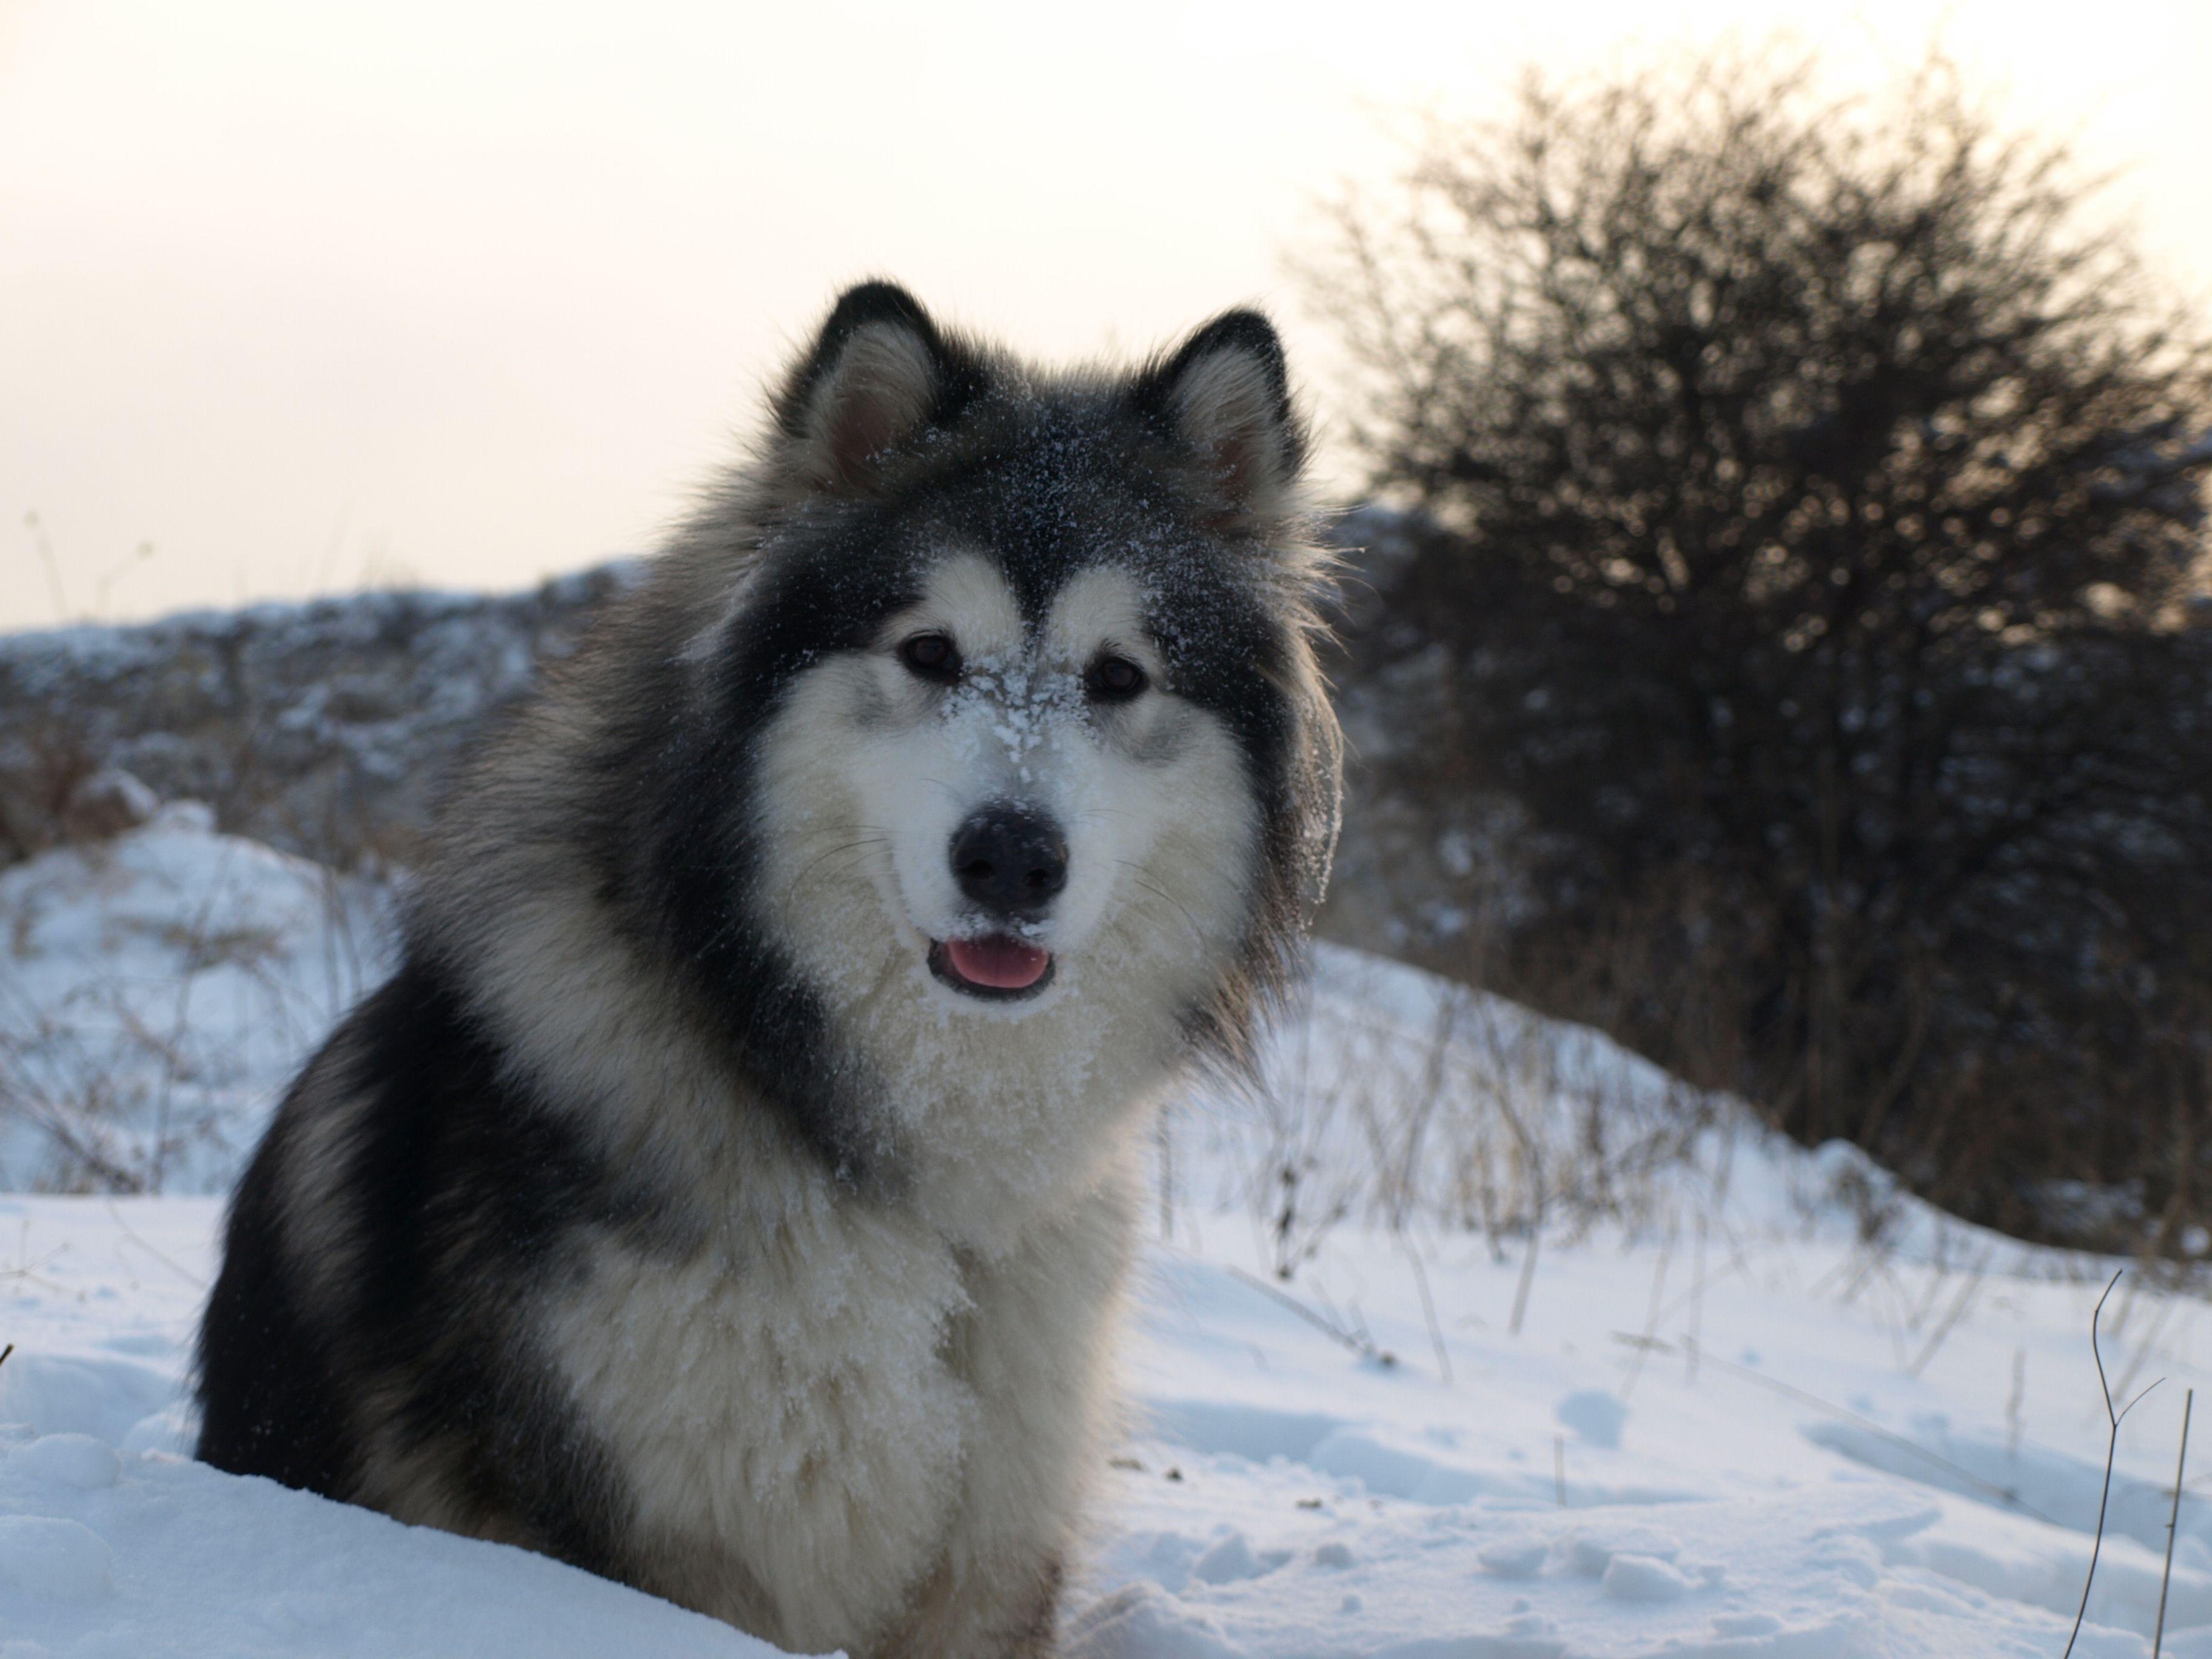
{"x": 814, "y": 1422}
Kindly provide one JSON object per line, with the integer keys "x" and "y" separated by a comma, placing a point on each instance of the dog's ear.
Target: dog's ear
{"x": 878, "y": 375}
{"x": 1224, "y": 396}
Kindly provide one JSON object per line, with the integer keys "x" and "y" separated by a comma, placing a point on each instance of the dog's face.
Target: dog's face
{"x": 1017, "y": 801}
{"x": 1007, "y": 721}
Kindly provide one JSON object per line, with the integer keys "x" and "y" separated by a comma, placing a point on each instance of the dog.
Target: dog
{"x": 731, "y": 1191}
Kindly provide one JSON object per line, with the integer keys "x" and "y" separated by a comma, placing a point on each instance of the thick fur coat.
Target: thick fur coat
{"x": 731, "y": 1191}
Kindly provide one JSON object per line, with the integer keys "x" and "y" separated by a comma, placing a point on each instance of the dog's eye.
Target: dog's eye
{"x": 1114, "y": 680}
{"x": 931, "y": 656}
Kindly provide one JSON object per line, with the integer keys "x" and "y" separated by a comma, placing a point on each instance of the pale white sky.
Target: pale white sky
{"x": 462, "y": 293}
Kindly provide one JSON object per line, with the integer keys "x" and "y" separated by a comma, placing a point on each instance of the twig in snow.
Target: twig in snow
{"x": 1527, "y": 1276}
{"x": 1360, "y": 1344}
{"x": 1651, "y": 1319}
{"x": 1697, "y": 1306}
{"x": 130, "y": 1233}
{"x": 1958, "y": 1309}
{"x": 2172, "y": 1522}
{"x": 1348, "y": 1319}
{"x": 1429, "y": 1312}
{"x": 2013, "y": 1402}
{"x": 2165, "y": 1305}
{"x": 2111, "y": 1452}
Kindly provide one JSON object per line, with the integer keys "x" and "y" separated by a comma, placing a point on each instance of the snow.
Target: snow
{"x": 156, "y": 991}
{"x": 169, "y": 1557}
{"x": 1570, "y": 1361}
{"x": 1729, "y": 1518}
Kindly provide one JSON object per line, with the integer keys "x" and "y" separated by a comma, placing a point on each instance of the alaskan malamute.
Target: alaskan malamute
{"x": 731, "y": 1191}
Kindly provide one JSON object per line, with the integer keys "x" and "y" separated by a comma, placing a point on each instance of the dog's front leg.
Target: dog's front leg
{"x": 1035, "y": 1347}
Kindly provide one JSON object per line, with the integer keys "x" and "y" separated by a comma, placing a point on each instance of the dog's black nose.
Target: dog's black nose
{"x": 1010, "y": 862}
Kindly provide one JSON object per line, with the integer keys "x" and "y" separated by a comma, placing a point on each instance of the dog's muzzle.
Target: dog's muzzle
{"x": 1010, "y": 863}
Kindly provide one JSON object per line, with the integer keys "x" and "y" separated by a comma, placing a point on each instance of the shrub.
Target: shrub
{"x": 1813, "y": 496}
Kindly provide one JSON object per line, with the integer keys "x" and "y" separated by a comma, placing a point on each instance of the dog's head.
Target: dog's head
{"x": 1000, "y": 719}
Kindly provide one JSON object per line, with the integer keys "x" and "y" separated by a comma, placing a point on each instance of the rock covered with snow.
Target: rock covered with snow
{"x": 104, "y": 804}
{"x": 322, "y": 729}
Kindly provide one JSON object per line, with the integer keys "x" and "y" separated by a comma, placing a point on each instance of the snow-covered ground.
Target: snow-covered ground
{"x": 1570, "y": 1361}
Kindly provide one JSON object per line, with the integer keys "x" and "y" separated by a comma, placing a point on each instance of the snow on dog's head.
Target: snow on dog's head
{"x": 1056, "y": 733}
{"x": 1014, "y": 787}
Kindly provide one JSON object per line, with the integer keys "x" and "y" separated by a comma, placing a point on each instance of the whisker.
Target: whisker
{"x": 864, "y": 842}
{"x": 1137, "y": 875}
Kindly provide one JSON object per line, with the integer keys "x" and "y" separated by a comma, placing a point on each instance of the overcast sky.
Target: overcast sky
{"x": 310, "y": 295}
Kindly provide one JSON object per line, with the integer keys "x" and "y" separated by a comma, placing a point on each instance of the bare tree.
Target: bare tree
{"x": 1814, "y": 492}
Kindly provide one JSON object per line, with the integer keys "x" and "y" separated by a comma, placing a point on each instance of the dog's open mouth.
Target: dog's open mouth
{"x": 994, "y": 967}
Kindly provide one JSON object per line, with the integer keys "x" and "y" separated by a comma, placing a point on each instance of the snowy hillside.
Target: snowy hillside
{"x": 324, "y": 728}
{"x": 155, "y": 992}
{"x": 1570, "y": 1362}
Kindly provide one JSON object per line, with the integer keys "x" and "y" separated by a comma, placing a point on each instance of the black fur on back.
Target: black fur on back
{"x": 458, "y": 1194}
{"x": 268, "y": 1384}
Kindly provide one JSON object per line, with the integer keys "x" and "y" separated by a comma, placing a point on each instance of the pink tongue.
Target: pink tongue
{"x": 1003, "y": 964}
